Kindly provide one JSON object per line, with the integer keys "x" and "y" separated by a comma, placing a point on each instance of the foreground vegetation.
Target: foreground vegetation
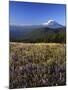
{"x": 36, "y": 65}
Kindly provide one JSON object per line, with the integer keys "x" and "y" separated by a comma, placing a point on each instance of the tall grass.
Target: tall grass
{"x": 36, "y": 65}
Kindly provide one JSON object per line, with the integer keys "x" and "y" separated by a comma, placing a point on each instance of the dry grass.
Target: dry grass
{"x": 39, "y": 64}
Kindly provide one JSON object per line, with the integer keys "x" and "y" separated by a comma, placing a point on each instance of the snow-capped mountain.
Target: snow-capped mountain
{"x": 36, "y": 33}
{"x": 52, "y": 24}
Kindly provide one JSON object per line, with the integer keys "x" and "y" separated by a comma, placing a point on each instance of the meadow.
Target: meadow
{"x": 37, "y": 64}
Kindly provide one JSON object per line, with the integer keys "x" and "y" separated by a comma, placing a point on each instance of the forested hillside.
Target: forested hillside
{"x": 47, "y": 35}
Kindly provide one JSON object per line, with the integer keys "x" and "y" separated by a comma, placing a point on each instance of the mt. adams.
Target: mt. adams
{"x": 52, "y": 24}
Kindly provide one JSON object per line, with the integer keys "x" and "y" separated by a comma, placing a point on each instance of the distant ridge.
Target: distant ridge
{"x": 46, "y": 32}
{"x": 50, "y": 24}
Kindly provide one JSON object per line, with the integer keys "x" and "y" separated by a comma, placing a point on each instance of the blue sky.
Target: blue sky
{"x": 24, "y": 13}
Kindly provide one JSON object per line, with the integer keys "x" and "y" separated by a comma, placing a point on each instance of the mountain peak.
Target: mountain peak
{"x": 52, "y": 24}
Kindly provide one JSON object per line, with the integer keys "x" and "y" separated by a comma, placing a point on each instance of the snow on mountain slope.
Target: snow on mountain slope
{"x": 52, "y": 24}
